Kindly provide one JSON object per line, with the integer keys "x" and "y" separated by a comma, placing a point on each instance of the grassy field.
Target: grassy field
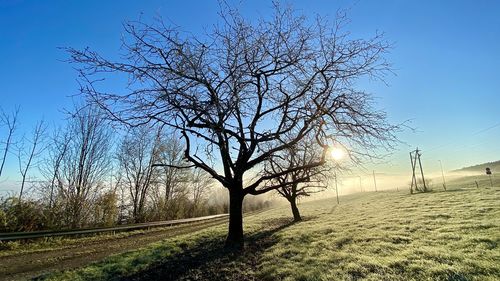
{"x": 389, "y": 235}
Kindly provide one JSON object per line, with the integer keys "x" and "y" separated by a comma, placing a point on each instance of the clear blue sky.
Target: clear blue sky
{"x": 446, "y": 56}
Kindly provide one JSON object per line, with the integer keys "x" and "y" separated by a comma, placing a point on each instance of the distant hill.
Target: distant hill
{"x": 494, "y": 166}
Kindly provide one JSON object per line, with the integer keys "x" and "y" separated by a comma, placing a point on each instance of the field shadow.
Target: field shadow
{"x": 210, "y": 261}
{"x": 457, "y": 189}
{"x": 333, "y": 208}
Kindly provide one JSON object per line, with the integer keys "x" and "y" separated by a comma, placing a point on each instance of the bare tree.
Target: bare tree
{"x": 50, "y": 168}
{"x": 200, "y": 184}
{"x": 170, "y": 185}
{"x": 26, "y": 157}
{"x": 57, "y": 152}
{"x": 84, "y": 163}
{"x": 302, "y": 182}
{"x": 235, "y": 93}
{"x": 137, "y": 153}
{"x": 10, "y": 121}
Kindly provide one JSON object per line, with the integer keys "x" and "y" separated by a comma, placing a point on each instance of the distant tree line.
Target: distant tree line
{"x": 82, "y": 175}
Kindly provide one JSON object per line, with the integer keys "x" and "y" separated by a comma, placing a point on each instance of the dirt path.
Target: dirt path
{"x": 29, "y": 265}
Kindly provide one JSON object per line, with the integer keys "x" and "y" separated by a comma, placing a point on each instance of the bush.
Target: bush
{"x": 3, "y": 220}
{"x": 23, "y": 215}
{"x": 106, "y": 210}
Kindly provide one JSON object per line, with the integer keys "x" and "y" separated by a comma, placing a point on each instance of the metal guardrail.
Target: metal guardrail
{"x": 9, "y": 236}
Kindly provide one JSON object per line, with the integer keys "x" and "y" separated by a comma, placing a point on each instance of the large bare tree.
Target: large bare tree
{"x": 236, "y": 92}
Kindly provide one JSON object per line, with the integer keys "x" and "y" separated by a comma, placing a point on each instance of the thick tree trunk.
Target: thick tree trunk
{"x": 295, "y": 210}
{"x": 235, "y": 238}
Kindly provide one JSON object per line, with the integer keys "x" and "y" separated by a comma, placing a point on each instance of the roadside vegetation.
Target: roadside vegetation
{"x": 24, "y": 261}
{"x": 11, "y": 248}
{"x": 388, "y": 235}
{"x": 94, "y": 175}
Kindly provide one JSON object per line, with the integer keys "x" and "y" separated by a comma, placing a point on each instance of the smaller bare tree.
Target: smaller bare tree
{"x": 200, "y": 184}
{"x": 136, "y": 156}
{"x": 300, "y": 182}
{"x": 26, "y": 158}
{"x": 84, "y": 165}
{"x": 60, "y": 146}
{"x": 10, "y": 121}
{"x": 170, "y": 186}
{"x": 50, "y": 166}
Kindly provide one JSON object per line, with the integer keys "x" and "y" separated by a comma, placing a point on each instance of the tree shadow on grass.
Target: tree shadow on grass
{"x": 458, "y": 189}
{"x": 208, "y": 260}
{"x": 333, "y": 208}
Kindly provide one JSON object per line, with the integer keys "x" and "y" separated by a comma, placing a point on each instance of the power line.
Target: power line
{"x": 473, "y": 134}
{"x": 462, "y": 148}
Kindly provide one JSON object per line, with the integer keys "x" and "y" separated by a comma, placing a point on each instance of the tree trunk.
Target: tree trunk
{"x": 235, "y": 238}
{"x": 295, "y": 210}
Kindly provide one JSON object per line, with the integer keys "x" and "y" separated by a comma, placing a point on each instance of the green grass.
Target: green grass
{"x": 452, "y": 235}
{"x": 12, "y": 248}
{"x": 9, "y": 248}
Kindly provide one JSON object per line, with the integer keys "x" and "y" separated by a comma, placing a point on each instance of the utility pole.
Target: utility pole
{"x": 374, "y": 181}
{"x": 421, "y": 170}
{"x": 336, "y": 187}
{"x": 413, "y": 162}
{"x": 442, "y": 174}
{"x": 414, "y": 156}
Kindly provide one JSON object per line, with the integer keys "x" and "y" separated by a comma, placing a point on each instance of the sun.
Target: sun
{"x": 337, "y": 153}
